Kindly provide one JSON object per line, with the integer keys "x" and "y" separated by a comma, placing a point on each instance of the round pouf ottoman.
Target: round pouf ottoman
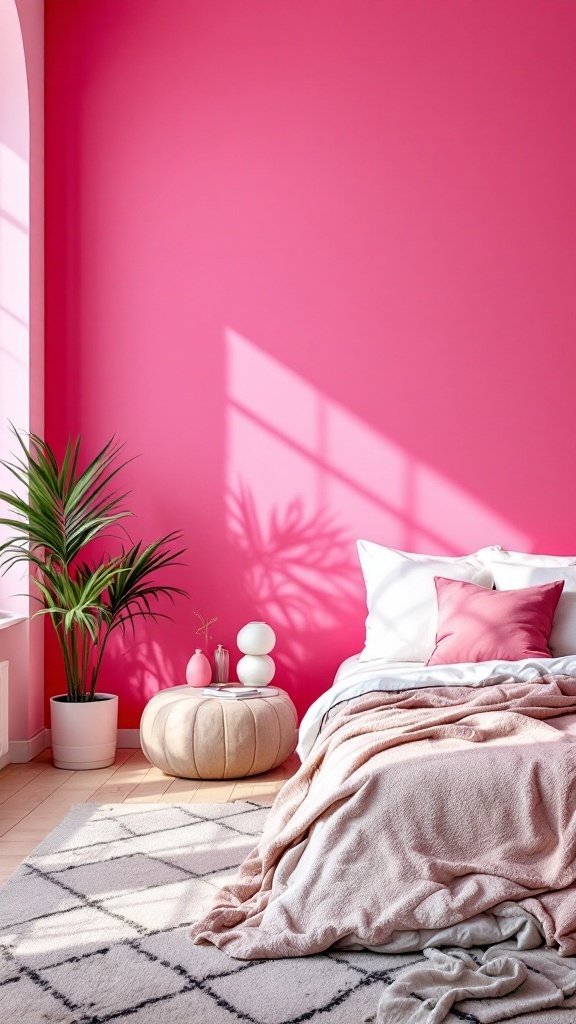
{"x": 187, "y": 734}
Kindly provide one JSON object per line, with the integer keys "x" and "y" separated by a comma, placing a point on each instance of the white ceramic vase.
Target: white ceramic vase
{"x": 84, "y": 734}
{"x": 256, "y": 638}
{"x": 255, "y": 670}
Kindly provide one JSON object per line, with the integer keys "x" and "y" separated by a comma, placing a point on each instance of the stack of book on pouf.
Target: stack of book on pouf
{"x": 239, "y": 692}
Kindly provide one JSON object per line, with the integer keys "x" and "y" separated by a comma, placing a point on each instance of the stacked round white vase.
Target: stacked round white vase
{"x": 256, "y": 668}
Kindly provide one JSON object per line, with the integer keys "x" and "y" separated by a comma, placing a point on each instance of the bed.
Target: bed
{"x": 355, "y": 677}
{"x": 436, "y": 803}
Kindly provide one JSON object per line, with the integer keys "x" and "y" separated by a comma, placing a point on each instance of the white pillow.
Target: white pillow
{"x": 401, "y": 599}
{"x": 515, "y": 576}
{"x": 489, "y": 556}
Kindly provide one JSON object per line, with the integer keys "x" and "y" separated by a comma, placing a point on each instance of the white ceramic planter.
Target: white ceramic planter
{"x": 84, "y": 735}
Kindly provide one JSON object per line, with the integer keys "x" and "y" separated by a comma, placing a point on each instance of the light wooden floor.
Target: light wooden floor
{"x": 35, "y": 797}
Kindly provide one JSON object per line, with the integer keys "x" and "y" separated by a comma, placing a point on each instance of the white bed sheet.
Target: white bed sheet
{"x": 354, "y": 678}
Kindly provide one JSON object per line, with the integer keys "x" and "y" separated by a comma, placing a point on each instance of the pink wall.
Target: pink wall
{"x": 316, "y": 262}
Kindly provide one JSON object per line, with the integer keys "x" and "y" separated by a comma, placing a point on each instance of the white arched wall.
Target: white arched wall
{"x": 21, "y": 326}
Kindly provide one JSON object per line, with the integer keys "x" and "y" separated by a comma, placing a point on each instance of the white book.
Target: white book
{"x": 239, "y": 692}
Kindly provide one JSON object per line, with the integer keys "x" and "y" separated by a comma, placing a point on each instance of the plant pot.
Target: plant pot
{"x": 84, "y": 734}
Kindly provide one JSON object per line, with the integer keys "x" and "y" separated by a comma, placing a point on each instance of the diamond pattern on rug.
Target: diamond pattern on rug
{"x": 50, "y": 938}
{"x": 307, "y": 984}
{"x": 94, "y": 929}
{"x": 113, "y": 978}
{"x": 162, "y": 906}
{"x": 122, "y": 876}
{"x": 28, "y": 1002}
{"x": 191, "y": 1006}
{"x": 43, "y": 897}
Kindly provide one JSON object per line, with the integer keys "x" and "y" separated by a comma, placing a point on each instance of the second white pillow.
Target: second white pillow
{"x": 516, "y": 575}
{"x": 497, "y": 556}
{"x": 401, "y": 598}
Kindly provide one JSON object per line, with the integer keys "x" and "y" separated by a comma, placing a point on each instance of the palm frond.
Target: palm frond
{"x": 64, "y": 509}
{"x": 133, "y": 590}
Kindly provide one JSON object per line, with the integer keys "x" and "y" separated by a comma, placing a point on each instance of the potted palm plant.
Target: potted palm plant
{"x": 60, "y": 519}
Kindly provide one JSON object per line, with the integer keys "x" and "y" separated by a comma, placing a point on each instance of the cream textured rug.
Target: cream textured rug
{"x": 93, "y": 929}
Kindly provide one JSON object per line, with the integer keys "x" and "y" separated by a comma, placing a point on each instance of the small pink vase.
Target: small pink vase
{"x": 198, "y": 670}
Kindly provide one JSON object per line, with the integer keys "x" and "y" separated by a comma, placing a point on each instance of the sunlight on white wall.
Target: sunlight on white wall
{"x": 14, "y": 239}
{"x": 14, "y": 280}
{"x": 305, "y": 478}
{"x": 14, "y": 187}
{"x": 14, "y": 326}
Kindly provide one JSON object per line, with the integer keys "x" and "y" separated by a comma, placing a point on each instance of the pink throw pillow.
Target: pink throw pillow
{"x": 476, "y": 624}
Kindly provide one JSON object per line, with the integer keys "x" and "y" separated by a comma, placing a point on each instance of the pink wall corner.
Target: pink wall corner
{"x": 316, "y": 263}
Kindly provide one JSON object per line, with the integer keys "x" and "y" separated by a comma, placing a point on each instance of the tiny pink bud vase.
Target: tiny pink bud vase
{"x": 198, "y": 670}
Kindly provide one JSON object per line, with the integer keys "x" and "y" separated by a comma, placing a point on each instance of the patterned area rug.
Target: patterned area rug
{"x": 93, "y": 929}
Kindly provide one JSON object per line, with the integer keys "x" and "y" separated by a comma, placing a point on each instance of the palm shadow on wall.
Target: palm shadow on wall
{"x": 298, "y": 571}
{"x": 142, "y": 666}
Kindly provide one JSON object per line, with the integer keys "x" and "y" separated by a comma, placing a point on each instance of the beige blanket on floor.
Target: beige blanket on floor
{"x": 498, "y": 987}
{"x": 414, "y": 812}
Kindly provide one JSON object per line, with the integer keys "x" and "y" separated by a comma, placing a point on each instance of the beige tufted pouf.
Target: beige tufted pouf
{"x": 184, "y": 733}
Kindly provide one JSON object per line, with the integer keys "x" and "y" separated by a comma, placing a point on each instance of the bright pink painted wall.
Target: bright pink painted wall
{"x": 317, "y": 263}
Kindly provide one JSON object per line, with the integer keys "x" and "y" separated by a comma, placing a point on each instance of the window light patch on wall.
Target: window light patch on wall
{"x": 305, "y": 477}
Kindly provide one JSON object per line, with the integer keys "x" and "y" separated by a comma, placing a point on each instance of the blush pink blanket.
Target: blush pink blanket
{"x": 415, "y": 811}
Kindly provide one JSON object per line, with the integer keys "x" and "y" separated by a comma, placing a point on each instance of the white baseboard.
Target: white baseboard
{"x": 21, "y": 751}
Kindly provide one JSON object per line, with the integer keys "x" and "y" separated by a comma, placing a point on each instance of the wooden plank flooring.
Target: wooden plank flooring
{"x": 35, "y": 797}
